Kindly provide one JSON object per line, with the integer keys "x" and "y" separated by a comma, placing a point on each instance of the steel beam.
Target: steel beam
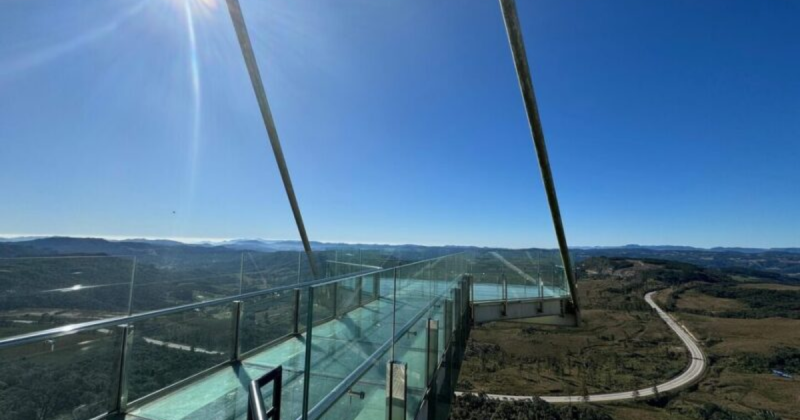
{"x": 266, "y": 114}
{"x": 509, "y": 10}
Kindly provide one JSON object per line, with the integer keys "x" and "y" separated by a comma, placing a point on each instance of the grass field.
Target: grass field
{"x": 694, "y": 300}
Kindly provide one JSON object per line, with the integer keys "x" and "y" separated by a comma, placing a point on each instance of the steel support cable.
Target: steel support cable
{"x": 509, "y": 10}
{"x": 266, "y": 114}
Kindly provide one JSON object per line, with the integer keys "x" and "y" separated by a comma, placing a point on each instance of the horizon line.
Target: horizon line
{"x": 189, "y": 240}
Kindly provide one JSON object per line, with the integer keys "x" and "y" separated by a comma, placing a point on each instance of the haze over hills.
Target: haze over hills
{"x": 266, "y": 245}
{"x": 780, "y": 263}
{"x": 689, "y": 248}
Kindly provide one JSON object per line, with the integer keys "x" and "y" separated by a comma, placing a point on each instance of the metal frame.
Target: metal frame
{"x": 256, "y": 410}
{"x": 509, "y": 10}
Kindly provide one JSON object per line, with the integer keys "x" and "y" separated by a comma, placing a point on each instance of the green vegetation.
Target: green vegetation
{"x": 478, "y": 407}
{"x": 761, "y": 303}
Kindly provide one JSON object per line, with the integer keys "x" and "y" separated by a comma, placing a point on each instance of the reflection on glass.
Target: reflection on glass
{"x": 42, "y": 293}
{"x": 66, "y": 377}
{"x": 174, "y": 347}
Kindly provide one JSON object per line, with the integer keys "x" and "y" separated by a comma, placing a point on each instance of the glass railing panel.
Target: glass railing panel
{"x": 488, "y": 285}
{"x": 324, "y": 305}
{"x": 264, "y": 270}
{"x": 266, "y": 319}
{"x": 174, "y": 279}
{"x": 437, "y": 314}
{"x": 302, "y": 313}
{"x": 348, "y": 293}
{"x": 67, "y": 377}
{"x": 170, "y": 348}
{"x": 341, "y": 344}
{"x": 517, "y": 275}
{"x": 410, "y": 349}
{"x": 366, "y": 399}
{"x": 42, "y": 293}
{"x": 369, "y": 288}
{"x": 553, "y": 280}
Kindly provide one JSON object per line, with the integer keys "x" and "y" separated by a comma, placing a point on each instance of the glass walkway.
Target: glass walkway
{"x": 352, "y": 334}
{"x": 339, "y": 347}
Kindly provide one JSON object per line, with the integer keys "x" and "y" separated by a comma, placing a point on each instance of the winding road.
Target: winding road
{"x": 689, "y": 376}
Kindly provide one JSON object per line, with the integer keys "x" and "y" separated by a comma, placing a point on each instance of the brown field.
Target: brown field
{"x": 728, "y": 335}
{"x": 614, "y": 350}
{"x": 727, "y": 339}
{"x": 694, "y": 300}
{"x": 768, "y": 286}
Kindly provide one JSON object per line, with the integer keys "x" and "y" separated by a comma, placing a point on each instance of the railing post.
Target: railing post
{"x": 432, "y": 346}
{"x": 396, "y": 396}
{"x": 394, "y": 309}
{"x": 119, "y": 390}
{"x": 307, "y": 366}
{"x": 241, "y": 274}
{"x": 236, "y": 318}
{"x": 469, "y": 301}
{"x": 541, "y": 286}
{"x": 335, "y": 299}
{"x": 130, "y": 291}
{"x": 448, "y": 321}
{"x": 505, "y": 287}
{"x": 376, "y": 285}
{"x": 296, "y": 313}
{"x": 457, "y": 315}
{"x": 359, "y": 287}
{"x": 505, "y": 295}
{"x": 471, "y": 287}
{"x": 296, "y": 308}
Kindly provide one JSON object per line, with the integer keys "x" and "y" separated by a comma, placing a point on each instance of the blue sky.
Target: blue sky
{"x": 668, "y": 122}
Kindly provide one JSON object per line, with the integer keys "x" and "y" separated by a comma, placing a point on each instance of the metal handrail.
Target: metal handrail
{"x": 255, "y": 410}
{"x": 122, "y": 320}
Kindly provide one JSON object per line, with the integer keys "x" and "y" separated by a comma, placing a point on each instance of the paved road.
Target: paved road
{"x": 689, "y": 376}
